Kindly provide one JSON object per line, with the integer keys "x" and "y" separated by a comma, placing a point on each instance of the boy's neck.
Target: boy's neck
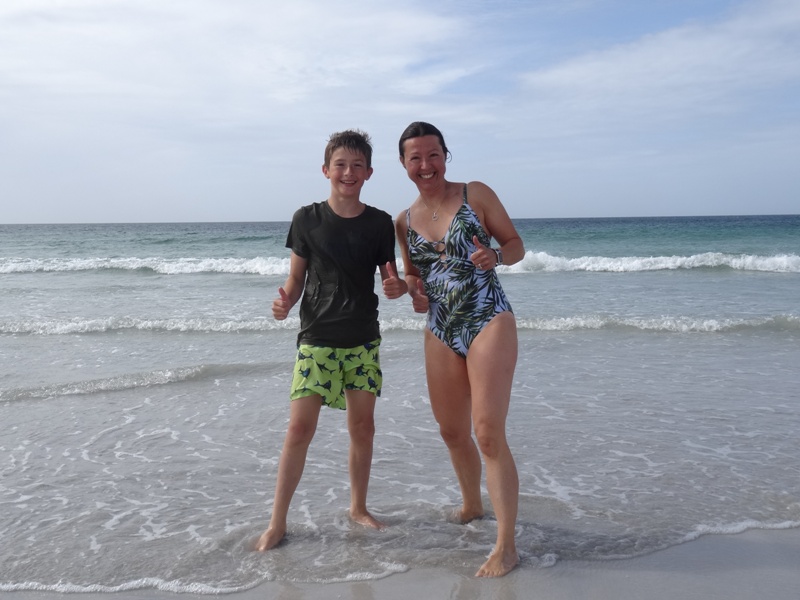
{"x": 346, "y": 207}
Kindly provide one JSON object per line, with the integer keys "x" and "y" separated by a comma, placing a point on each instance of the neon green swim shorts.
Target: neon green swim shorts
{"x": 330, "y": 371}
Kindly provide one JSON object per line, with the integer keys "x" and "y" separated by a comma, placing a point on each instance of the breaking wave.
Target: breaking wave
{"x": 532, "y": 263}
{"x": 669, "y": 324}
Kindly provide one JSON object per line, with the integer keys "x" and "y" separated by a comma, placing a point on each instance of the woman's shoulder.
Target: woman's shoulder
{"x": 402, "y": 217}
{"x": 480, "y": 194}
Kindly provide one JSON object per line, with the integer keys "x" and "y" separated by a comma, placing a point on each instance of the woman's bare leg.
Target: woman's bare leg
{"x": 448, "y": 388}
{"x": 491, "y": 361}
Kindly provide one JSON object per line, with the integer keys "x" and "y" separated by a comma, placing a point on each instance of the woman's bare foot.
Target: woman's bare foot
{"x": 498, "y": 564}
{"x": 270, "y": 538}
{"x": 367, "y": 520}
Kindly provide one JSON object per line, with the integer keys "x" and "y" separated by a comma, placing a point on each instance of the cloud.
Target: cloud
{"x": 201, "y": 109}
{"x": 229, "y": 62}
{"x": 681, "y": 74}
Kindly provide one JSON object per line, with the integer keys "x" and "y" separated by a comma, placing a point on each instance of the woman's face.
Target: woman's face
{"x": 424, "y": 160}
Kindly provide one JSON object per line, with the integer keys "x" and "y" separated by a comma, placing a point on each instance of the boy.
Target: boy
{"x": 336, "y": 246}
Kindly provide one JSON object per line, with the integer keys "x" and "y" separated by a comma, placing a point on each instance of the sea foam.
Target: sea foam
{"x": 670, "y": 324}
{"x": 542, "y": 261}
{"x": 532, "y": 262}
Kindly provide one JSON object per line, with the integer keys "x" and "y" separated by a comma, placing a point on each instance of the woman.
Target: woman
{"x": 471, "y": 334}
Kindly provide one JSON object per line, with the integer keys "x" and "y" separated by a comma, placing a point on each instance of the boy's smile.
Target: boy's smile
{"x": 347, "y": 172}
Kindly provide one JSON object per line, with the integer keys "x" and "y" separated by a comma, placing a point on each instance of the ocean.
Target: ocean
{"x": 144, "y": 384}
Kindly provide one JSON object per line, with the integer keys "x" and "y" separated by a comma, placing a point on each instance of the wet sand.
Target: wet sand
{"x": 747, "y": 566}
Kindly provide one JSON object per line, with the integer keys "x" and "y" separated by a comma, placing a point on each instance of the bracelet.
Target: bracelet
{"x": 499, "y": 254}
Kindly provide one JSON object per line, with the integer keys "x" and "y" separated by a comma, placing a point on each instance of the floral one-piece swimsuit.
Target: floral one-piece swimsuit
{"x": 462, "y": 298}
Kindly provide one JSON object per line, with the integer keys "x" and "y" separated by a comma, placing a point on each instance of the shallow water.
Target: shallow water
{"x": 143, "y": 400}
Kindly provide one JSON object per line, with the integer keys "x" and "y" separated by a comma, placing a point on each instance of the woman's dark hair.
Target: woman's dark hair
{"x": 419, "y": 129}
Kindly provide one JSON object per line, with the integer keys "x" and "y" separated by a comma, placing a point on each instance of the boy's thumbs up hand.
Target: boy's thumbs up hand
{"x": 393, "y": 286}
{"x": 281, "y": 305}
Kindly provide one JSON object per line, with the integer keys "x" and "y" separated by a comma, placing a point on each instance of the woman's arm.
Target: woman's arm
{"x": 496, "y": 222}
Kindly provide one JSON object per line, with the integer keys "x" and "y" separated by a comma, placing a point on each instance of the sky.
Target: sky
{"x": 219, "y": 110}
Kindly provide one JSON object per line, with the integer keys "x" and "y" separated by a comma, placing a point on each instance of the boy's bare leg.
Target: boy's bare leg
{"x": 361, "y": 425}
{"x": 303, "y": 417}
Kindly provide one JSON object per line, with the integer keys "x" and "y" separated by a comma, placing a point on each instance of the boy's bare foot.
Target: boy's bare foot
{"x": 270, "y": 538}
{"x": 462, "y": 516}
{"x": 367, "y": 520}
{"x": 498, "y": 564}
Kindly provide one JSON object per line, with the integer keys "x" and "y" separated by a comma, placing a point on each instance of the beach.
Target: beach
{"x": 746, "y": 566}
{"x": 653, "y": 419}
{"x": 755, "y": 564}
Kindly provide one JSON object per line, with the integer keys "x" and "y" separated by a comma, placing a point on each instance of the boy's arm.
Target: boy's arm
{"x": 393, "y": 286}
{"x": 290, "y": 293}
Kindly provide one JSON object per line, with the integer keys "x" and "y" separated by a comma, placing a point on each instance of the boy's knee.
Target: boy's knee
{"x": 299, "y": 434}
{"x": 362, "y": 430}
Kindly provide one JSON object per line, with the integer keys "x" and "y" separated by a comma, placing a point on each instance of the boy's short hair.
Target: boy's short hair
{"x": 354, "y": 140}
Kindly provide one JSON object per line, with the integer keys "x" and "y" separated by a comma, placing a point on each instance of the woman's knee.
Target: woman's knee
{"x": 455, "y": 437}
{"x": 491, "y": 439}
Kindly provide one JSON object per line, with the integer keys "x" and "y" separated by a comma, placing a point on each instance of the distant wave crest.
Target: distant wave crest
{"x": 676, "y": 324}
{"x": 125, "y": 382}
{"x": 163, "y": 266}
{"x": 662, "y": 324}
{"x": 110, "y": 384}
{"x": 112, "y": 324}
{"x": 541, "y": 261}
{"x": 532, "y": 262}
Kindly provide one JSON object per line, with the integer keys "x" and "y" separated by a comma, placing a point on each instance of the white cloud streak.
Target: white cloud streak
{"x": 146, "y": 110}
{"x": 679, "y": 74}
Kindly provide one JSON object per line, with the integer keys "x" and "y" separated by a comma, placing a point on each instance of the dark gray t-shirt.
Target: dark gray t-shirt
{"x": 339, "y": 307}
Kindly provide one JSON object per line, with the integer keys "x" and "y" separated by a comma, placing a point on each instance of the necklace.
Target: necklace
{"x": 435, "y": 215}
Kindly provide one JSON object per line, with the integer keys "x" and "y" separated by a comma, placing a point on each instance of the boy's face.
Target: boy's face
{"x": 347, "y": 171}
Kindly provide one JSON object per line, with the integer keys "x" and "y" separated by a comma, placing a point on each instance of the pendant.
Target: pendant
{"x": 435, "y": 217}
